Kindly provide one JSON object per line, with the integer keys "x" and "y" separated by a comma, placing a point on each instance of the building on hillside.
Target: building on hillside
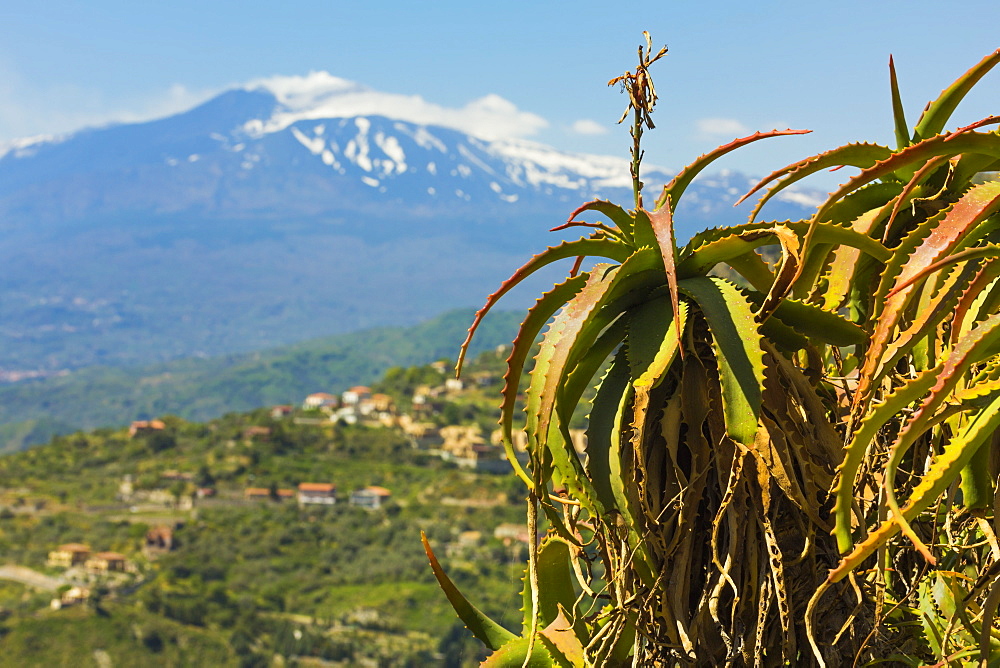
{"x": 143, "y": 427}
{"x": 486, "y": 458}
{"x": 460, "y": 439}
{"x": 422, "y": 435}
{"x": 159, "y": 540}
{"x": 264, "y": 494}
{"x": 107, "y": 562}
{"x": 68, "y": 555}
{"x": 370, "y": 498}
{"x": 317, "y": 493}
{"x": 279, "y": 412}
{"x": 256, "y": 493}
{"x": 383, "y": 403}
{"x": 321, "y": 400}
{"x": 71, "y": 596}
{"x": 355, "y": 395}
{"x": 453, "y": 385}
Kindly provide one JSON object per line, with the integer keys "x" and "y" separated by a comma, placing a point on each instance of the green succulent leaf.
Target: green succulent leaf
{"x": 533, "y": 323}
{"x": 902, "y": 130}
{"x": 489, "y": 632}
{"x": 738, "y": 351}
{"x": 514, "y": 652}
{"x": 675, "y": 189}
{"x": 862, "y": 156}
{"x": 616, "y": 214}
{"x": 594, "y": 246}
{"x": 937, "y": 113}
{"x": 602, "y": 430}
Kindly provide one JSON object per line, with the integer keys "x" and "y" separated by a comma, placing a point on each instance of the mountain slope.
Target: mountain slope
{"x": 289, "y": 209}
{"x": 199, "y": 389}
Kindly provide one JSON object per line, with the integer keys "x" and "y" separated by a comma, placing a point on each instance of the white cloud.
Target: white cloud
{"x": 322, "y": 95}
{"x": 721, "y": 127}
{"x": 585, "y": 126}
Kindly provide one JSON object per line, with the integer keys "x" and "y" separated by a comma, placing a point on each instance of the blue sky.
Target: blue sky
{"x": 733, "y": 67}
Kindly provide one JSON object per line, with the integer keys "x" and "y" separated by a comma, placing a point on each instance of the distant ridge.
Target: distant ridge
{"x": 200, "y": 389}
{"x": 287, "y": 209}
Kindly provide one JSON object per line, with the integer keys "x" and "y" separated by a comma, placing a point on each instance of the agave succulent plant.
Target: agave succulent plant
{"x": 813, "y": 432}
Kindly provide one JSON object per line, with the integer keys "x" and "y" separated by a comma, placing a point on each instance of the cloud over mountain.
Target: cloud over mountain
{"x": 322, "y": 95}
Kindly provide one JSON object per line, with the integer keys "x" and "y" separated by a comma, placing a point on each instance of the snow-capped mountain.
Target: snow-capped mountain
{"x": 288, "y": 208}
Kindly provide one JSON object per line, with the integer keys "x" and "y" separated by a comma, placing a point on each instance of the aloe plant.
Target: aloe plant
{"x": 818, "y": 434}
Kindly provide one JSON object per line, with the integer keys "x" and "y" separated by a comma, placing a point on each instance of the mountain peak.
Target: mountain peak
{"x": 305, "y": 92}
{"x": 321, "y": 95}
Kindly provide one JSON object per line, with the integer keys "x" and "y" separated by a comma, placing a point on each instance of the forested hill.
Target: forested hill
{"x": 199, "y": 389}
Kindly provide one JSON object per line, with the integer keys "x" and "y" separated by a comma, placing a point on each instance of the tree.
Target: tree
{"x": 822, "y": 438}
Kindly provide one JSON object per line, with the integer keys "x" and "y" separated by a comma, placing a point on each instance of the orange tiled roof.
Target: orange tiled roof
{"x": 381, "y": 491}
{"x": 316, "y": 487}
{"x": 74, "y": 547}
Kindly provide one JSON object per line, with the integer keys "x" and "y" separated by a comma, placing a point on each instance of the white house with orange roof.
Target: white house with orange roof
{"x": 321, "y": 400}
{"x": 371, "y": 497}
{"x": 317, "y": 493}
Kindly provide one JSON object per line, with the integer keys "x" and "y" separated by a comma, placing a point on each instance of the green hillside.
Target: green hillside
{"x": 262, "y": 581}
{"x": 31, "y": 412}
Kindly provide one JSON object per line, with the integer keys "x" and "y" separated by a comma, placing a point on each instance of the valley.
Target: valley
{"x": 218, "y": 561}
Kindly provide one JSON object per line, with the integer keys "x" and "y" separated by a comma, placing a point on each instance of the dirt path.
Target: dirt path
{"x": 29, "y": 577}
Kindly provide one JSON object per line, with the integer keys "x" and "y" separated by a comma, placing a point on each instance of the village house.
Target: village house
{"x": 370, "y": 498}
{"x": 106, "y": 562}
{"x": 71, "y": 596}
{"x": 465, "y": 446}
{"x": 383, "y": 403}
{"x": 422, "y": 435}
{"x": 356, "y": 395}
{"x": 159, "y": 540}
{"x": 264, "y": 494}
{"x": 68, "y": 555}
{"x": 143, "y": 427}
{"x": 321, "y": 400}
{"x": 279, "y": 412}
{"x": 317, "y": 493}
{"x": 459, "y": 440}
